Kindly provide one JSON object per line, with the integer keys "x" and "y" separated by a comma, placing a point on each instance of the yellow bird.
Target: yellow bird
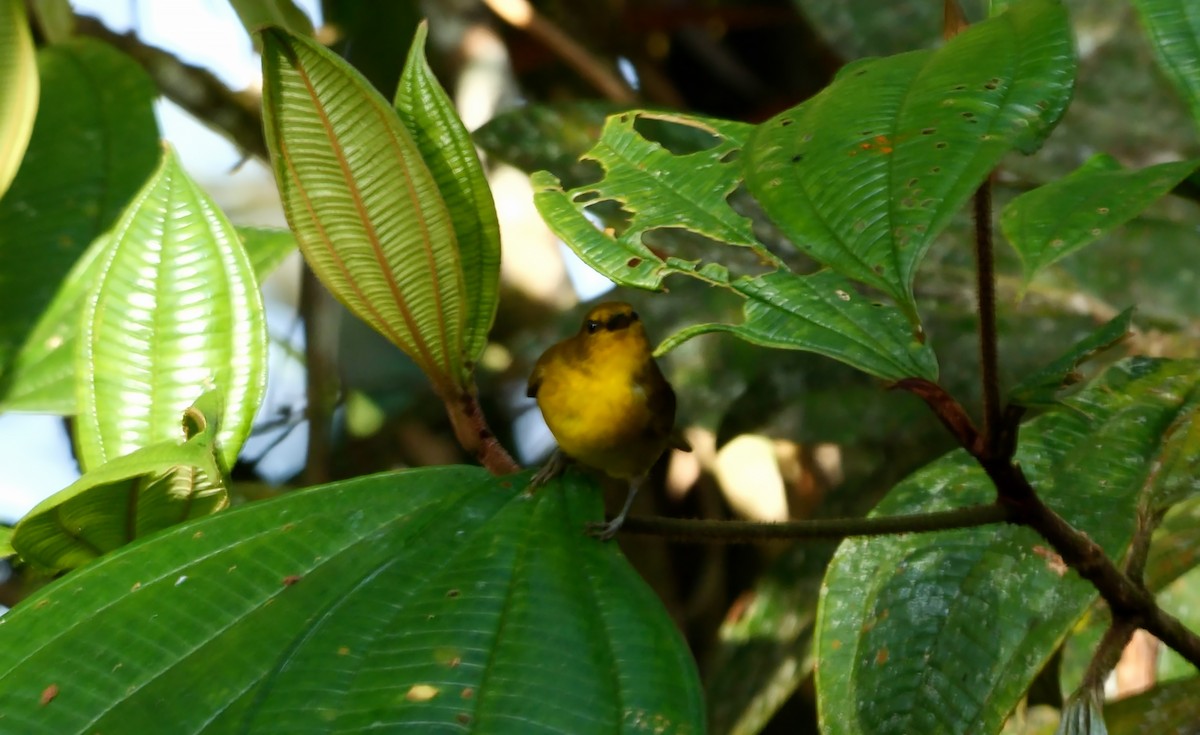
{"x": 606, "y": 402}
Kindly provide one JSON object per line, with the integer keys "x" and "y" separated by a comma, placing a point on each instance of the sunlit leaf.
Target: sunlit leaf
{"x": 1042, "y": 388}
{"x": 18, "y": 88}
{"x": 1055, "y": 220}
{"x": 176, "y": 310}
{"x": 365, "y": 208}
{"x": 899, "y": 636}
{"x": 259, "y": 14}
{"x": 445, "y": 145}
{"x": 1174, "y": 30}
{"x": 129, "y": 497}
{"x": 94, "y": 143}
{"x": 864, "y": 175}
{"x": 823, "y": 313}
{"x": 427, "y": 601}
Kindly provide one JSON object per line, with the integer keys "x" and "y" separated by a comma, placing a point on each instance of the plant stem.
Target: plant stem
{"x": 985, "y": 278}
{"x": 319, "y": 315}
{"x": 474, "y": 435}
{"x": 699, "y": 531}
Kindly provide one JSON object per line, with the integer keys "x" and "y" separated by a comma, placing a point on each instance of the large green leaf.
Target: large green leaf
{"x": 94, "y": 143}
{"x": 129, "y": 497}
{"x": 864, "y": 175}
{"x": 1041, "y": 388}
{"x": 899, "y": 636}
{"x": 18, "y": 88}
{"x": 1167, "y": 709}
{"x": 176, "y": 310}
{"x": 426, "y": 601}
{"x": 445, "y": 145}
{"x": 365, "y": 208}
{"x": 1174, "y": 29}
{"x": 657, "y": 190}
{"x": 1055, "y": 220}
{"x": 823, "y": 313}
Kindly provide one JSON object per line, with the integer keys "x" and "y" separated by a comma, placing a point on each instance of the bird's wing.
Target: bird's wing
{"x": 535, "y": 380}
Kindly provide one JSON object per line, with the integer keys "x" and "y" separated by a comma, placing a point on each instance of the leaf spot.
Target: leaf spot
{"x": 343, "y": 650}
{"x": 806, "y": 137}
{"x": 881, "y": 657}
{"x": 786, "y": 122}
{"x": 452, "y": 593}
{"x": 463, "y": 718}
{"x": 136, "y": 586}
{"x": 958, "y": 88}
{"x": 468, "y": 692}
{"x": 1057, "y": 242}
{"x": 48, "y": 695}
{"x": 935, "y": 170}
{"x": 798, "y": 158}
{"x": 1096, "y": 231}
{"x": 291, "y": 579}
{"x": 421, "y": 693}
{"x": 940, "y": 144}
{"x": 181, "y": 580}
{"x": 633, "y": 262}
{"x": 928, "y": 131}
{"x": 842, "y": 295}
{"x": 1102, "y": 210}
{"x": 992, "y": 83}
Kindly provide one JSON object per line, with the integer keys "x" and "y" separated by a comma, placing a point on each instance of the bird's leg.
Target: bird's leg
{"x": 605, "y": 531}
{"x": 552, "y": 469}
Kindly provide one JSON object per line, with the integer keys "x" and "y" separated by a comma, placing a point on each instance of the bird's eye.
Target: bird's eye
{"x": 633, "y": 316}
{"x": 592, "y": 326}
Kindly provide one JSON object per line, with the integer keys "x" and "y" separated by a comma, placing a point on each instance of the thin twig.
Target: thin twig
{"x": 699, "y": 531}
{"x": 985, "y": 275}
{"x": 236, "y": 115}
{"x": 474, "y": 435}
{"x": 320, "y": 315}
{"x": 520, "y": 14}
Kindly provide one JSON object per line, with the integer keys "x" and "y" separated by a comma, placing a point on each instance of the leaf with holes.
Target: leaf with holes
{"x": 176, "y": 310}
{"x": 446, "y": 146}
{"x": 1042, "y": 387}
{"x": 656, "y": 189}
{"x": 18, "y": 88}
{"x": 129, "y": 497}
{"x": 864, "y": 175}
{"x": 1055, "y": 220}
{"x": 427, "y": 601}
{"x": 365, "y": 208}
{"x": 823, "y": 313}
{"x": 1174, "y": 30}
{"x": 94, "y": 143}
{"x": 901, "y": 639}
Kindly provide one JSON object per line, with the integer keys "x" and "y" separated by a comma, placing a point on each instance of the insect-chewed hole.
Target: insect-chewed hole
{"x": 677, "y": 138}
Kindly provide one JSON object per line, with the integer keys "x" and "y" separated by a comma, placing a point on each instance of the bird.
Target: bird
{"x": 606, "y": 402}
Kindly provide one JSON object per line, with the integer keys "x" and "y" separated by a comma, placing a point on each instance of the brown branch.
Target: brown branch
{"x": 320, "y": 314}
{"x": 236, "y": 115}
{"x": 985, "y": 276}
{"x": 698, "y": 531}
{"x": 473, "y": 433}
{"x": 520, "y": 14}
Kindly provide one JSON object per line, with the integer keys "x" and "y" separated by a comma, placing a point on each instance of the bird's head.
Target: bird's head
{"x": 612, "y": 322}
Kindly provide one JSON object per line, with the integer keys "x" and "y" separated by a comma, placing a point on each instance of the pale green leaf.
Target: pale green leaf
{"x": 176, "y": 310}
{"x": 864, "y": 175}
{"x": 446, "y": 146}
{"x": 18, "y": 88}
{"x": 365, "y": 208}
{"x": 129, "y": 497}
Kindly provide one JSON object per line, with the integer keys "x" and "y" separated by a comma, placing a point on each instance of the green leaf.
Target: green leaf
{"x": 364, "y": 206}
{"x": 94, "y": 144}
{"x": 1055, "y": 220}
{"x": 899, "y": 636}
{"x": 43, "y": 375}
{"x": 259, "y": 14}
{"x": 445, "y": 145}
{"x": 425, "y": 601}
{"x": 131, "y": 496}
{"x": 657, "y": 190}
{"x": 267, "y": 248}
{"x": 55, "y": 19}
{"x": 1042, "y": 387}
{"x": 1174, "y": 30}
{"x": 6, "y": 549}
{"x": 823, "y": 313}
{"x": 864, "y": 175}
{"x": 176, "y": 310}
{"x": 1167, "y": 709}
{"x": 551, "y": 137}
{"x": 18, "y": 88}
{"x": 1175, "y": 548}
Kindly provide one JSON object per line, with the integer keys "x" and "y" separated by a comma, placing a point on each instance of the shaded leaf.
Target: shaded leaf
{"x": 550, "y": 137}
{"x": 55, "y": 19}
{"x": 656, "y": 189}
{"x": 131, "y": 496}
{"x": 1042, "y": 387}
{"x": 94, "y": 143}
{"x": 1175, "y": 547}
{"x": 364, "y": 206}
{"x": 18, "y": 88}
{"x": 823, "y": 313}
{"x": 446, "y": 147}
{"x": 1181, "y": 598}
{"x": 1167, "y": 709}
{"x": 176, "y": 310}
{"x": 1174, "y": 30}
{"x": 899, "y": 639}
{"x": 426, "y": 601}
{"x": 908, "y": 139}
{"x": 1055, "y": 220}
{"x": 267, "y": 248}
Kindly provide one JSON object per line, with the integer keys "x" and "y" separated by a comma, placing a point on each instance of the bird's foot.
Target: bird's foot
{"x": 605, "y": 531}
{"x": 553, "y": 468}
